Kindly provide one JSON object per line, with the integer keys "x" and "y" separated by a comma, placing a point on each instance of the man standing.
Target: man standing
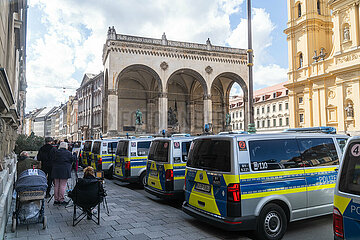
{"x": 46, "y": 155}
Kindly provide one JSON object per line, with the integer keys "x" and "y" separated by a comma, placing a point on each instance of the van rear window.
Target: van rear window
{"x": 143, "y": 148}
{"x": 87, "y": 146}
{"x": 159, "y": 151}
{"x": 210, "y": 154}
{"x": 122, "y": 148}
{"x": 112, "y": 147}
{"x": 350, "y": 173}
{"x": 96, "y": 147}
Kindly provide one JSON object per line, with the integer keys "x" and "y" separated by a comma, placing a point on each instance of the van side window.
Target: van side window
{"x": 185, "y": 146}
{"x": 143, "y": 148}
{"x": 350, "y": 173}
{"x": 318, "y": 152}
{"x": 274, "y": 154}
{"x": 342, "y": 143}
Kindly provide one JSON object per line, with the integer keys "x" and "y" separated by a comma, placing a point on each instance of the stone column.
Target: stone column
{"x": 191, "y": 109}
{"x": 207, "y": 109}
{"x": 150, "y": 105}
{"x": 341, "y": 105}
{"x": 292, "y": 110}
{"x": 163, "y": 111}
{"x": 112, "y": 113}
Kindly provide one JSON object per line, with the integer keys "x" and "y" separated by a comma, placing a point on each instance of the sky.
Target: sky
{"x": 65, "y": 37}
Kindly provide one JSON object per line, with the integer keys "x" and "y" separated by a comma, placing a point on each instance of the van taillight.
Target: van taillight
{"x": 100, "y": 161}
{"x": 234, "y": 192}
{"x": 127, "y": 165}
{"x": 169, "y": 175}
{"x": 80, "y": 155}
{"x": 338, "y": 223}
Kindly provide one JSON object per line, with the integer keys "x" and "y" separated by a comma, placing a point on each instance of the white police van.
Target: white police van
{"x": 261, "y": 181}
{"x": 103, "y": 155}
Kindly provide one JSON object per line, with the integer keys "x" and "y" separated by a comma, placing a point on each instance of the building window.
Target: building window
{"x": 274, "y": 95}
{"x": 241, "y": 126}
{"x": 268, "y": 109}
{"x": 258, "y": 124}
{"x": 268, "y": 122}
{"x": 301, "y": 100}
{"x": 301, "y": 60}
{"x": 233, "y": 115}
{"x": 274, "y": 122}
{"x": 258, "y": 111}
{"x": 287, "y": 121}
{"x": 263, "y": 124}
{"x": 237, "y": 126}
{"x": 263, "y": 109}
{"x": 240, "y": 113}
{"x": 286, "y": 106}
{"x": 274, "y": 108}
{"x": 301, "y": 117}
{"x": 280, "y": 107}
{"x": 237, "y": 114}
{"x": 319, "y": 7}
{"x": 299, "y": 10}
{"x": 280, "y": 122}
{"x": 287, "y": 92}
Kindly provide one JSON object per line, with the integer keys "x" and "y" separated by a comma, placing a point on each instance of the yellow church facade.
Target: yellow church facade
{"x": 324, "y": 64}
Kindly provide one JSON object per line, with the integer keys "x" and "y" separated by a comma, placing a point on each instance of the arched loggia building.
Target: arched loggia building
{"x": 160, "y": 77}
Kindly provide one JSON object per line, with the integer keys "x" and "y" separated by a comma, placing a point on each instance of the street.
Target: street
{"x": 136, "y": 216}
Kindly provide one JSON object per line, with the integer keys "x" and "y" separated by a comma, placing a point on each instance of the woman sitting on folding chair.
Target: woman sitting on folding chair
{"x": 87, "y": 193}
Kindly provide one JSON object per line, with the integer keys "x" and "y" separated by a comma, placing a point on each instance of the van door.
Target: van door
{"x": 122, "y": 154}
{"x": 179, "y": 159}
{"x": 320, "y": 160}
{"x": 277, "y": 169}
{"x": 208, "y": 168}
{"x": 349, "y": 190}
{"x": 158, "y": 163}
{"x": 96, "y": 151}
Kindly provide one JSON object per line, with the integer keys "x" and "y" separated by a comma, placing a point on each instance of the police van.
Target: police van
{"x": 165, "y": 171}
{"x": 81, "y": 152}
{"x": 103, "y": 155}
{"x": 86, "y": 157}
{"x": 131, "y": 158}
{"x": 261, "y": 181}
{"x": 346, "y": 215}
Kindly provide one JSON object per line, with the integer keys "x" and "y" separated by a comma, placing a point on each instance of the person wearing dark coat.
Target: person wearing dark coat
{"x": 61, "y": 172}
{"x": 46, "y": 156}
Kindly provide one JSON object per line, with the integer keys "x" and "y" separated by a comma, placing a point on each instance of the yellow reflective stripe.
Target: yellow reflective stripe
{"x": 231, "y": 179}
{"x": 179, "y": 178}
{"x": 145, "y": 157}
{"x": 271, "y": 174}
{"x": 319, "y": 187}
{"x": 138, "y": 166}
{"x": 275, "y": 192}
{"x": 180, "y": 164}
{"x": 320, "y": 170}
{"x": 168, "y": 166}
{"x": 341, "y": 203}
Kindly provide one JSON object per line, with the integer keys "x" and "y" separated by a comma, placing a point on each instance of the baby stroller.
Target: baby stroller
{"x": 30, "y": 188}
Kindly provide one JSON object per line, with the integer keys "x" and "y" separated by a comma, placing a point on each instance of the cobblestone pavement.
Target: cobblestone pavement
{"x": 133, "y": 215}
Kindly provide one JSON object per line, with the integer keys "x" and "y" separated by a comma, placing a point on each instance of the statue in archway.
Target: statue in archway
{"x": 228, "y": 119}
{"x": 172, "y": 119}
{"x": 138, "y": 117}
{"x": 349, "y": 110}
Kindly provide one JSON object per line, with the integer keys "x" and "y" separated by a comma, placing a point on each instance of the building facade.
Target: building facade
{"x": 177, "y": 86}
{"x": 271, "y": 110}
{"x": 324, "y": 64}
{"x": 73, "y": 127}
{"x": 90, "y": 101}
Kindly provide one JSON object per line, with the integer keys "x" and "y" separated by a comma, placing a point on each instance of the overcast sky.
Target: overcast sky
{"x": 65, "y": 37}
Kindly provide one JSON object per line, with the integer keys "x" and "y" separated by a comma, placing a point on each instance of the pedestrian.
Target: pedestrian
{"x": 25, "y": 163}
{"x": 61, "y": 172}
{"x": 46, "y": 156}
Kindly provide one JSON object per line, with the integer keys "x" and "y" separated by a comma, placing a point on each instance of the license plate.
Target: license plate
{"x": 153, "y": 173}
{"x": 203, "y": 187}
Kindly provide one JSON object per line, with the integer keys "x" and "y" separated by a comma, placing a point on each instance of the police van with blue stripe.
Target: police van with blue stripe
{"x": 86, "y": 156}
{"x": 346, "y": 216}
{"x": 131, "y": 158}
{"x": 166, "y": 164}
{"x": 261, "y": 181}
{"x": 103, "y": 155}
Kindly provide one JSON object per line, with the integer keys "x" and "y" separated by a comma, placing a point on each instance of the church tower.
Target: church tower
{"x": 309, "y": 36}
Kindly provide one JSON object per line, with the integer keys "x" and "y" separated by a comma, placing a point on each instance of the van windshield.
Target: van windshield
{"x": 87, "y": 146}
{"x": 122, "y": 148}
{"x": 96, "y": 147}
{"x": 210, "y": 154}
{"x": 350, "y": 173}
{"x": 159, "y": 151}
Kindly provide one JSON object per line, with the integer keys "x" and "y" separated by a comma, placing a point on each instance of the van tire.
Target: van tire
{"x": 272, "y": 223}
{"x": 109, "y": 174}
{"x": 142, "y": 179}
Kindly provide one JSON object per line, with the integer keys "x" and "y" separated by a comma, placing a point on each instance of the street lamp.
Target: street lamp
{"x": 251, "y": 128}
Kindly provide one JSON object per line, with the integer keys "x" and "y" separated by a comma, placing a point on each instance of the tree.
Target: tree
{"x": 28, "y": 143}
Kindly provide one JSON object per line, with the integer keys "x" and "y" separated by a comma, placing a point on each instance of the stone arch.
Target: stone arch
{"x": 223, "y": 83}
{"x": 138, "y": 87}
{"x": 196, "y": 75}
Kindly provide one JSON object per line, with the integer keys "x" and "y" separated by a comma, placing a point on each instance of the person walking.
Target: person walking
{"x": 61, "y": 172}
{"x": 46, "y": 156}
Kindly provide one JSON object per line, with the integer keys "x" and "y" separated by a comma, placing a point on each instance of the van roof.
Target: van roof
{"x": 273, "y": 135}
{"x": 136, "y": 139}
{"x": 175, "y": 138}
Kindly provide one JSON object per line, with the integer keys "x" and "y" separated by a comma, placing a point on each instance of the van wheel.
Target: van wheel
{"x": 272, "y": 223}
{"x": 110, "y": 173}
{"x": 142, "y": 179}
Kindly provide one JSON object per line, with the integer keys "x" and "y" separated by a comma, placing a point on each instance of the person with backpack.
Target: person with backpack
{"x": 46, "y": 156}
